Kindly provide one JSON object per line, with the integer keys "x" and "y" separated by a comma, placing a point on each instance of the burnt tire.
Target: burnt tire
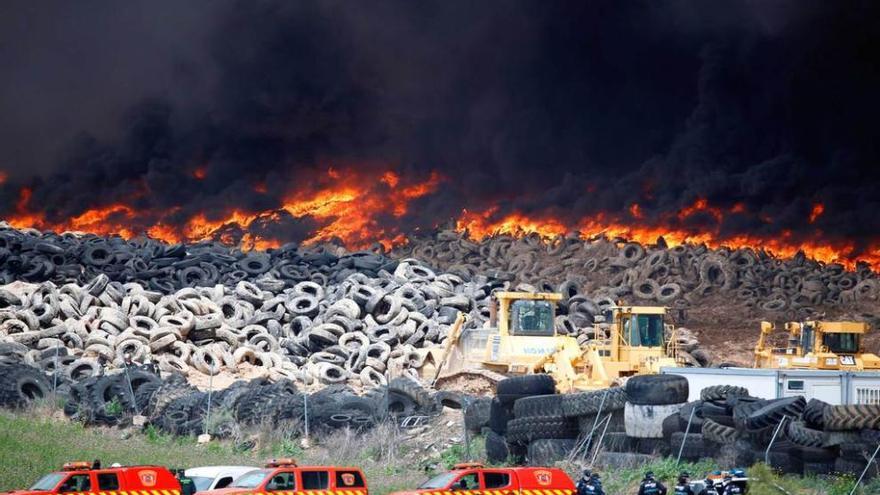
{"x": 657, "y": 389}
{"x": 547, "y": 452}
{"x": 523, "y": 430}
{"x": 587, "y": 403}
{"x": 412, "y": 389}
{"x": 511, "y": 389}
{"x": 22, "y": 385}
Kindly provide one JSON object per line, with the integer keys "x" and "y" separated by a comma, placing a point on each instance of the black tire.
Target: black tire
{"x": 22, "y": 385}
{"x": 772, "y": 413}
{"x": 587, "y": 403}
{"x": 813, "y": 454}
{"x": 547, "y": 452}
{"x": 743, "y": 409}
{"x": 784, "y": 462}
{"x": 814, "y": 414}
{"x": 652, "y": 446}
{"x": 657, "y": 389}
{"x": 722, "y": 392}
{"x": 524, "y": 430}
{"x": 801, "y": 435}
{"x": 412, "y": 389}
{"x": 499, "y": 415}
{"x": 517, "y": 387}
{"x": 622, "y": 460}
{"x": 695, "y": 448}
{"x": 452, "y": 400}
{"x": 671, "y": 425}
{"x": 818, "y": 468}
{"x": 476, "y": 414}
{"x": 696, "y": 421}
{"x": 852, "y": 417}
{"x": 539, "y": 406}
{"x": 497, "y": 451}
{"x": 618, "y": 442}
{"x": 719, "y": 433}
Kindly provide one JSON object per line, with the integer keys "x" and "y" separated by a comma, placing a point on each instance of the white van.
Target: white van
{"x": 215, "y": 477}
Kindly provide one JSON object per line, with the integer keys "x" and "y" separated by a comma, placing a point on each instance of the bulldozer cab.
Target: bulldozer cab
{"x": 817, "y": 345}
{"x": 523, "y": 314}
{"x": 638, "y": 326}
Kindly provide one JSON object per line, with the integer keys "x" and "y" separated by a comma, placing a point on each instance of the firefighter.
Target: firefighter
{"x": 650, "y": 485}
{"x": 731, "y": 487}
{"x": 584, "y": 482}
{"x": 683, "y": 486}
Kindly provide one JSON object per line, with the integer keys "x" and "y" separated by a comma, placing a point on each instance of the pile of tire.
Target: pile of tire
{"x": 357, "y": 319}
{"x": 173, "y": 406}
{"x": 679, "y": 276}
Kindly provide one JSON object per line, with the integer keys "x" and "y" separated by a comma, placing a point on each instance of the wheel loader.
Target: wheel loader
{"x": 817, "y": 345}
{"x": 521, "y": 338}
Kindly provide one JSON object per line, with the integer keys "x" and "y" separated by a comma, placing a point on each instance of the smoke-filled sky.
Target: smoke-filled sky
{"x": 569, "y": 109}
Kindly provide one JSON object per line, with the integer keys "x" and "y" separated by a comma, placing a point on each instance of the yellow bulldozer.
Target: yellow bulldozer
{"x": 521, "y": 338}
{"x": 817, "y": 345}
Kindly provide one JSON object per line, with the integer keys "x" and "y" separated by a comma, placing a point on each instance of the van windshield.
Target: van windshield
{"x": 439, "y": 481}
{"x": 48, "y": 482}
{"x": 251, "y": 480}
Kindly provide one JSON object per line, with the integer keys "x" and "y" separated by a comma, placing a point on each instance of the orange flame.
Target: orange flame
{"x": 818, "y": 210}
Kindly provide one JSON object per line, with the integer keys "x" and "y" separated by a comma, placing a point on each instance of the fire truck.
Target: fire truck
{"x": 285, "y": 477}
{"x": 87, "y": 478}
{"x": 476, "y": 479}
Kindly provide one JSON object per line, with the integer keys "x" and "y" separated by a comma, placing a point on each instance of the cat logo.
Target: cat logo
{"x": 544, "y": 478}
{"x": 148, "y": 478}
{"x": 347, "y": 479}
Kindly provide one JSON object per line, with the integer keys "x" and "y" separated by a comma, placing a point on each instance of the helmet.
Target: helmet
{"x": 649, "y": 475}
{"x": 738, "y": 472}
{"x": 684, "y": 474}
{"x": 587, "y": 473}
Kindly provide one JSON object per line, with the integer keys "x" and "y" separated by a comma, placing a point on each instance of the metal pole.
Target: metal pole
{"x": 775, "y": 433}
{"x": 55, "y": 374}
{"x": 686, "y": 433}
{"x": 306, "y": 413}
{"x": 130, "y": 388}
{"x": 467, "y": 438}
{"x": 210, "y": 393}
{"x": 598, "y": 413}
{"x": 601, "y": 437}
{"x": 864, "y": 471}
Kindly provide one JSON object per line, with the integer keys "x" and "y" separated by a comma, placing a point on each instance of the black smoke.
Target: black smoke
{"x": 571, "y": 107}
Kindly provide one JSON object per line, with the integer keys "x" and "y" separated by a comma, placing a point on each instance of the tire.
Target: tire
{"x": 646, "y": 421}
{"x": 818, "y": 468}
{"x": 497, "y": 451}
{"x": 652, "y": 446}
{"x": 695, "y": 447}
{"x": 671, "y": 425}
{"x": 852, "y": 417}
{"x": 587, "y": 403}
{"x": 476, "y": 414}
{"x": 696, "y": 421}
{"x": 772, "y": 413}
{"x": 657, "y": 389}
{"x": 814, "y": 414}
{"x": 784, "y": 462}
{"x": 412, "y": 389}
{"x": 499, "y": 416}
{"x": 523, "y": 430}
{"x": 452, "y": 400}
{"x": 547, "y": 452}
{"x": 539, "y": 406}
{"x": 22, "y": 385}
{"x": 618, "y": 442}
{"x": 517, "y": 387}
{"x": 719, "y": 433}
{"x": 743, "y": 409}
{"x": 722, "y": 392}
{"x": 801, "y": 435}
{"x": 621, "y": 460}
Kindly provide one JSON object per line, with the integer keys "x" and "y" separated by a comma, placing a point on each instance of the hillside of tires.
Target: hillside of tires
{"x": 526, "y": 422}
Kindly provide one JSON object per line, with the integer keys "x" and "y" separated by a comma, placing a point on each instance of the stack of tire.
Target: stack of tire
{"x": 650, "y": 399}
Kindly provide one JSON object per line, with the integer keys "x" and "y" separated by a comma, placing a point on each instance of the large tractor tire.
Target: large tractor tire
{"x": 517, "y": 387}
{"x": 539, "y": 406}
{"x": 524, "y": 430}
{"x": 852, "y": 417}
{"x": 719, "y": 433}
{"x": 772, "y": 413}
{"x": 547, "y": 452}
{"x": 657, "y": 389}
{"x": 587, "y": 403}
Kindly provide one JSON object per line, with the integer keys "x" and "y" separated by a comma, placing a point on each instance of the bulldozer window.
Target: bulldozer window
{"x": 841, "y": 342}
{"x": 644, "y": 330}
{"x": 807, "y": 337}
{"x": 531, "y": 319}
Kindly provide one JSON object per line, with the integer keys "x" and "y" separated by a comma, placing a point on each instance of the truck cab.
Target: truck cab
{"x": 475, "y": 479}
{"x": 284, "y": 477}
{"x": 85, "y": 478}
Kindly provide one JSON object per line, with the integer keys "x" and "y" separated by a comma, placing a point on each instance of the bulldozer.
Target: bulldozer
{"x": 817, "y": 345}
{"x": 521, "y": 338}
